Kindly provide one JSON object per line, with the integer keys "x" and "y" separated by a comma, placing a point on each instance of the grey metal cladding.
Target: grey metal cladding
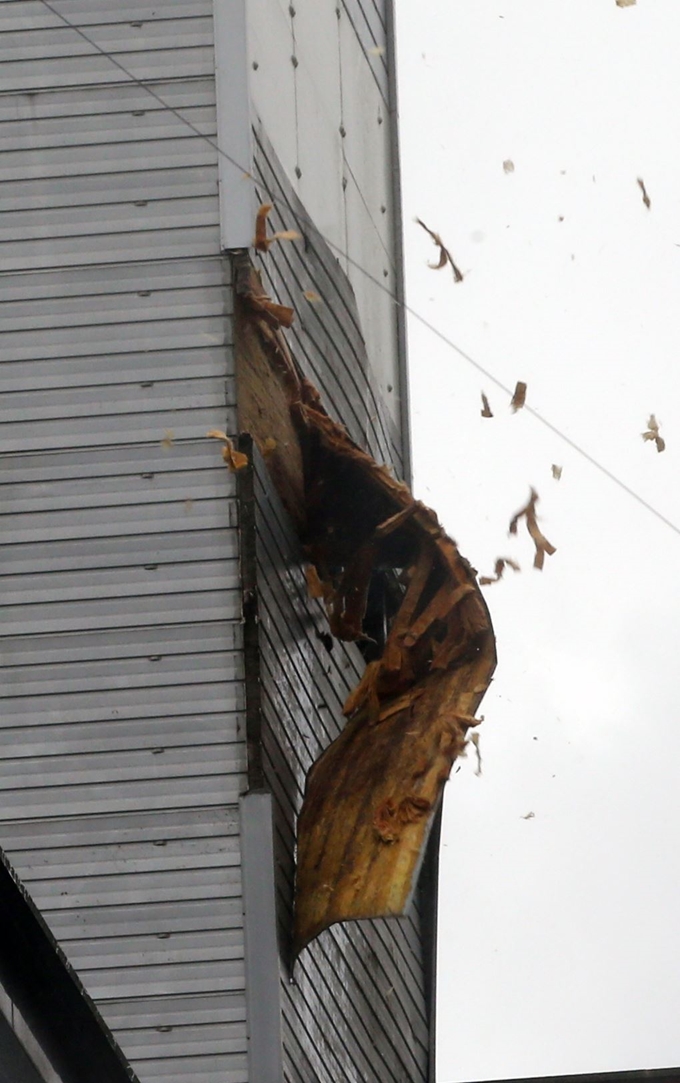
{"x": 120, "y": 654}
{"x": 369, "y": 21}
{"x": 356, "y": 1009}
{"x": 326, "y": 338}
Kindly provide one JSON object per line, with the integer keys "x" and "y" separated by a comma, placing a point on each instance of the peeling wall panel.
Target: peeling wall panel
{"x": 338, "y": 1011}
{"x": 326, "y": 337}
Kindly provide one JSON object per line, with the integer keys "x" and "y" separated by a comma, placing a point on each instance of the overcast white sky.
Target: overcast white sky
{"x": 559, "y": 935}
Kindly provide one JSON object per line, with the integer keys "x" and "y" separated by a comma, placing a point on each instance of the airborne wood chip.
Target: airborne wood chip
{"x": 444, "y": 254}
{"x": 519, "y": 397}
{"x": 645, "y": 198}
{"x": 499, "y": 568}
{"x": 474, "y": 737}
{"x": 262, "y": 242}
{"x": 168, "y": 440}
{"x": 528, "y": 512}
{"x": 234, "y": 459}
{"x": 508, "y": 166}
{"x": 625, "y": 3}
{"x": 652, "y": 433}
{"x": 556, "y": 471}
{"x": 486, "y": 409}
{"x": 312, "y": 297}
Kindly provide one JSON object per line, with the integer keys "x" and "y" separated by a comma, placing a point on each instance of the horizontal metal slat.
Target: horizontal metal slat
{"x": 166, "y": 980}
{"x": 149, "y": 486}
{"x": 99, "y": 100}
{"x": 61, "y": 41}
{"x": 167, "y": 1040}
{"x": 210, "y": 1009}
{"x": 69, "y": 70}
{"x": 140, "y": 368}
{"x": 65, "y": 228}
{"x": 127, "y": 829}
{"x": 109, "y": 461}
{"x": 162, "y": 395}
{"x": 87, "y": 769}
{"x": 181, "y": 179}
{"x": 174, "y": 423}
{"x": 141, "y": 951}
{"x": 224, "y": 1069}
{"x": 123, "y": 125}
{"x": 162, "y": 298}
{"x": 104, "y": 676}
{"x": 120, "y": 704}
{"x": 91, "y": 286}
{"x": 122, "y": 796}
{"x": 175, "y": 243}
{"x": 162, "y": 854}
{"x": 151, "y": 644}
{"x": 26, "y": 14}
{"x": 111, "y": 160}
{"x": 83, "y": 738}
{"x": 172, "y": 914}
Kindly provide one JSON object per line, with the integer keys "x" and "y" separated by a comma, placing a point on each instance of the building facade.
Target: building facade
{"x": 167, "y": 680}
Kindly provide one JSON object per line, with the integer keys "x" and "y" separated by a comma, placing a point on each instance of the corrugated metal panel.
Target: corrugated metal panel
{"x": 122, "y": 730}
{"x": 356, "y": 1009}
{"x": 326, "y": 337}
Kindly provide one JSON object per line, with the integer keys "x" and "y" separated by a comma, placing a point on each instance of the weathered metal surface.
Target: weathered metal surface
{"x": 371, "y": 796}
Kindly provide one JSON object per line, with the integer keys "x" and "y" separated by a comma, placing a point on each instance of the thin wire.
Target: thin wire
{"x": 371, "y": 278}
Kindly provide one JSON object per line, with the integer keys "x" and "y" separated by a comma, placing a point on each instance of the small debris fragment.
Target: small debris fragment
{"x": 645, "y": 198}
{"x": 486, "y": 409}
{"x": 444, "y": 254}
{"x": 314, "y": 584}
{"x": 529, "y": 816}
{"x": 519, "y": 397}
{"x": 168, "y": 440}
{"x": 377, "y": 50}
{"x": 556, "y": 472}
{"x": 474, "y": 737}
{"x": 528, "y": 512}
{"x": 652, "y": 433}
{"x": 262, "y": 242}
{"x": 312, "y": 297}
{"x": 508, "y": 166}
{"x": 268, "y": 446}
{"x": 499, "y": 568}
{"x": 234, "y": 459}
{"x": 625, "y": 3}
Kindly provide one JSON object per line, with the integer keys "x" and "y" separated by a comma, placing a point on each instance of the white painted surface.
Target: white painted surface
{"x": 327, "y": 121}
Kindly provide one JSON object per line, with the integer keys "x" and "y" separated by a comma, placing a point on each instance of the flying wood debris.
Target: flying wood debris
{"x": 532, "y": 815}
{"x": 474, "y": 737}
{"x": 486, "y": 409}
{"x": 262, "y": 242}
{"x": 556, "y": 472}
{"x": 625, "y": 3}
{"x": 370, "y": 797}
{"x": 312, "y": 296}
{"x": 234, "y": 459}
{"x": 519, "y": 397}
{"x": 645, "y": 198}
{"x": 499, "y": 568}
{"x": 528, "y": 512}
{"x": 444, "y": 254}
{"x": 652, "y": 433}
{"x": 168, "y": 440}
{"x": 508, "y": 166}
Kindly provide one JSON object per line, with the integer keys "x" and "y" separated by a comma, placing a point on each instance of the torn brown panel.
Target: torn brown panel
{"x": 371, "y": 796}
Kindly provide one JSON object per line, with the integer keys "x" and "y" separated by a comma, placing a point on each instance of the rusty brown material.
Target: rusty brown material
{"x": 371, "y": 796}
